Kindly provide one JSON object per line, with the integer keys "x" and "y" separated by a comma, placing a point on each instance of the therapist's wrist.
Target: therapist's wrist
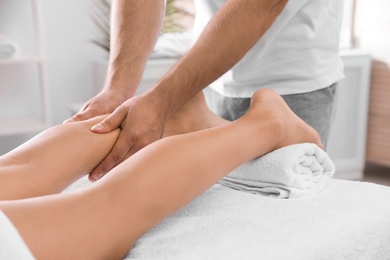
{"x": 124, "y": 82}
{"x": 124, "y": 89}
{"x": 162, "y": 100}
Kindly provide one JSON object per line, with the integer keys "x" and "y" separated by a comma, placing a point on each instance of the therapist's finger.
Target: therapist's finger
{"x": 108, "y": 163}
{"x": 116, "y": 156}
{"x": 85, "y": 115}
{"x": 111, "y": 123}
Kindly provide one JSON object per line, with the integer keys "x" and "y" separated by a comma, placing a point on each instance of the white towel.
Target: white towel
{"x": 348, "y": 220}
{"x": 12, "y": 245}
{"x": 289, "y": 172}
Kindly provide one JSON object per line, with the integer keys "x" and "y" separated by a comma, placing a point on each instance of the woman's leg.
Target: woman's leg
{"x": 53, "y": 160}
{"x": 193, "y": 116}
{"x": 105, "y": 220}
{"x": 57, "y": 157}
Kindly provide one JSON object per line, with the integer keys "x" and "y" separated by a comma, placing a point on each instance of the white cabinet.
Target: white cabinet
{"x": 23, "y": 78}
{"x": 347, "y": 140}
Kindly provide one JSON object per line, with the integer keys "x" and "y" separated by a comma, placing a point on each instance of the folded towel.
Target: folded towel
{"x": 289, "y": 172}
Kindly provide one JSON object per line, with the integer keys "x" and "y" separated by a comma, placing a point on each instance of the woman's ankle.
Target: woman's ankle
{"x": 271, "y": 112}
{"x": 193, "y": 116}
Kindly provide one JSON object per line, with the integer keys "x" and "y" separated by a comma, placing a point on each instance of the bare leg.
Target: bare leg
{"x": 57, "y": 157}
{"x": 105, "y": 220}
{"x": 192, "y": 116}
{"x": 53, "y": 160}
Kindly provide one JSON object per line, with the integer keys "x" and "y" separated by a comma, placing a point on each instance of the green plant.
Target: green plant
{"x": 100, "y": 15}
{"x": 172, "y": 14}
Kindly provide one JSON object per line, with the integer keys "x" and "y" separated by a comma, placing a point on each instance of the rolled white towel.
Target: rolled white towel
{"x": 289, "y": 172}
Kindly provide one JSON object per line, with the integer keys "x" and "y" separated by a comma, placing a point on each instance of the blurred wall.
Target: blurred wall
{"x": 67, "y": 30}
{"x": 373, "y": 34}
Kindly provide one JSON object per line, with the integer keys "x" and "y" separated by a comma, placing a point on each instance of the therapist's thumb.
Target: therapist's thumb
{"x": 109, "y": 124}
{"x": 99, "y": 128}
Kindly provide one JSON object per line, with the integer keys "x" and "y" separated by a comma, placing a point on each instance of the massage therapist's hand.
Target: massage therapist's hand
{"x": 104, "y": 103}
{"x": 142, "y": 122}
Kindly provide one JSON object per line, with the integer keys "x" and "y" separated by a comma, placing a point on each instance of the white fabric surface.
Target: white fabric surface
{"x": 348, "y": 220}
{"x": 12, "y": 246}
{"x": 289, "y": 172}
{"x": 299, "y": 52}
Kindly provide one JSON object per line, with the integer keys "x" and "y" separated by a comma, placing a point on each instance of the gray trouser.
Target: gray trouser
{"x": 315, "y": 108}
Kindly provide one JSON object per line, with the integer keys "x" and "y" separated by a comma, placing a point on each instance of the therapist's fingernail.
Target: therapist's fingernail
{"x": 98, "y": 127}
{"x": 97, "y": 176}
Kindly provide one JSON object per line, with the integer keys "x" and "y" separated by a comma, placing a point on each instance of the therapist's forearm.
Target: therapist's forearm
{"x": 135, "y": 26}
{"x": 234, "y": 29}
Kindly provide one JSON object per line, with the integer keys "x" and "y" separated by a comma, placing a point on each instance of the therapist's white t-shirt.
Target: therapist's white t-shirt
{"x": 299, "y": 53}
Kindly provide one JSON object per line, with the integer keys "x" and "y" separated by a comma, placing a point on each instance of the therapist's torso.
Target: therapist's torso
{"x": 299, "y": 53}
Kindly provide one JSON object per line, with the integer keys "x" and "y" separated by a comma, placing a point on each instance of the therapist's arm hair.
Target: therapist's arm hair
{"x": 53, "y": 160}
{"x": 233, "y": 30}
{"x": 135, "y": 27}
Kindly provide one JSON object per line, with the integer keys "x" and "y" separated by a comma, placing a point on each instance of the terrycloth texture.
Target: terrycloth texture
{"x": 289, "y": 172}
{"x": 12, "y": 246}
{"x": 347, "y": 220}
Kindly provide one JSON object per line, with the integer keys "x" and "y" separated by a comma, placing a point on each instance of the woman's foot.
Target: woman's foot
{"x": 287, "y": 126}
{"x": 265, "y": 105}
{"x": 192, "y": 116}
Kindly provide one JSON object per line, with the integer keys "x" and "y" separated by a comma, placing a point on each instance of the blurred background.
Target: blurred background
{"x": 53, "y": 57}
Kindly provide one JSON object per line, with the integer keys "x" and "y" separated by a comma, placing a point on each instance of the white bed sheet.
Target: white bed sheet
{"x": 348, "y": 220}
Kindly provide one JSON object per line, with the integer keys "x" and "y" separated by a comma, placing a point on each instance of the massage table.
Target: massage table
{"x": 348, "y": 220}
{"x": 345, "y": 220}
